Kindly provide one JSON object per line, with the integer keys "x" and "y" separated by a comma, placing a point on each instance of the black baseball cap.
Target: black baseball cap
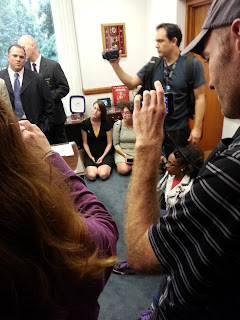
{"x": 221, "y": 13}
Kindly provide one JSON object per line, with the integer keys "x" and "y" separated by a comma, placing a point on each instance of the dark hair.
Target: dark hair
{"x": 102, "y": 108}
{"x": 173, "y": 31}
{"x": 192, "y": 157}
{"x": 126, "y": 104}
{"x": 17, "y": 46}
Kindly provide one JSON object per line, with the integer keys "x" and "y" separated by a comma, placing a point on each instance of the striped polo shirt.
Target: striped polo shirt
{"x": 198, "y": 243}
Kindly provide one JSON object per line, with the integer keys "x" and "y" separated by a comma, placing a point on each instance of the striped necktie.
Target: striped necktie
{"x": 17, "y": 97}
{"x": 34, "y": 67}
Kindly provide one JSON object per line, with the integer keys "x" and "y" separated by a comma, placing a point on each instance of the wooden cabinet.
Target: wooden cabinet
{"x": 73, "y": 130}
{"x": 113, "y": 115}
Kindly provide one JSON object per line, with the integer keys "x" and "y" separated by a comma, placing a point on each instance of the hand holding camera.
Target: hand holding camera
{"x": 111, "y": 55}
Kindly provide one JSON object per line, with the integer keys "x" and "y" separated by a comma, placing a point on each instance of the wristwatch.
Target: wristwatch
{"x": 124, "y": 155}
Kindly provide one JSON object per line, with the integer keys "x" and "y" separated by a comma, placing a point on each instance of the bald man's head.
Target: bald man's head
{"x": 30, "y": 46}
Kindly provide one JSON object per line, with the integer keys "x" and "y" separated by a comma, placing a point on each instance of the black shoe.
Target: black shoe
{"x": 122, "y": 267}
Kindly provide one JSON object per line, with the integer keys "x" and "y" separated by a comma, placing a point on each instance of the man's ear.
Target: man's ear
{"x": 235, "y": 29}
{"x": 174, "y": 40}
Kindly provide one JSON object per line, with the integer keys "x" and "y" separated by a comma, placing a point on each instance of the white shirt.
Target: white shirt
{"x": 37, "y": 62}
{"x": 12, "y": 77}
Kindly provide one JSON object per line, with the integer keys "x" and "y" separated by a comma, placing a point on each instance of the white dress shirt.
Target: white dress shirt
{"x": 12, "y": 78}
{"x": 37, "y": 62}
{"x": 20, "y": 78}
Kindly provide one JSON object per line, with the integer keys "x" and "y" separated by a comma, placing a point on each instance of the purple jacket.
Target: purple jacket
{"x": 104, "y": 232}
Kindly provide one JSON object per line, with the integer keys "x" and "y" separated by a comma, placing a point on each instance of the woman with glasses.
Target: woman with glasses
{"x": 124, "y": 140}
{"x": 97, "y": 142}
{"x": 182, "y": 168}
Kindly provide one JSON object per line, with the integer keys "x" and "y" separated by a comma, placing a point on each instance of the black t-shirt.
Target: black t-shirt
{"x": 179, "y": 88}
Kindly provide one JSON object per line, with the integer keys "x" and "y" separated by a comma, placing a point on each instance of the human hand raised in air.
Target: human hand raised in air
{"x": 148, "y": 119}
{"x": 33, "y": 136}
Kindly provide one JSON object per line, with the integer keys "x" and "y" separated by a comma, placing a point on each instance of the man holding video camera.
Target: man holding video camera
{"x": 171, "y": 71}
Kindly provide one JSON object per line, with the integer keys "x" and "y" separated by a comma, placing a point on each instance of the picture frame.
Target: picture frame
{"x": 113, "y": 37}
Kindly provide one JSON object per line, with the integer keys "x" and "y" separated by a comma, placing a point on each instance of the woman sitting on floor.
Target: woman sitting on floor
{"x": 124, "y": 140}
{"x": 182, "y": 168}
{"x": 57, "y": 241}
{"x": 97, "y": 142}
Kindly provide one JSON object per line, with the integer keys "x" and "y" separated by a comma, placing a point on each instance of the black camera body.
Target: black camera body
{"x": 111, "y": 55}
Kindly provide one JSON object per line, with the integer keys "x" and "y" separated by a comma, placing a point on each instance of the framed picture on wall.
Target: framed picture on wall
{"x": 113, "y": 37}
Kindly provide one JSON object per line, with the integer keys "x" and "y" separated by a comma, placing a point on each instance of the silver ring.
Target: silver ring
{"x": 22, "y": 128}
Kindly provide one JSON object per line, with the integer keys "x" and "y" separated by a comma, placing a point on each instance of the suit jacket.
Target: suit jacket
{"x": 57, "y": 82}
{"x": 36, "y": 97}
{"x": 4, "y": 93}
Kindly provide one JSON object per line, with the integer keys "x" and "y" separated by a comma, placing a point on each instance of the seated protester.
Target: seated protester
{"x": 182, "y": 167}
{"x": 97, "y": 143}
{"x": 124, "y": 140}
{"x": 57, "y": 240}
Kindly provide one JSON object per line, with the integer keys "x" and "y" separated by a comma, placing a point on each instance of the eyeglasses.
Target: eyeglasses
{"x": 125, "y": 112}
{"x": 171, "y": 164}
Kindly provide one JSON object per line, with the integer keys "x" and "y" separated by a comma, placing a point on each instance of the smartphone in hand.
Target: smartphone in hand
{"x": 129, "y": 160}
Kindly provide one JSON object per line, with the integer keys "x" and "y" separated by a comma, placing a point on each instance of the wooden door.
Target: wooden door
{"x": 196, "y": 11}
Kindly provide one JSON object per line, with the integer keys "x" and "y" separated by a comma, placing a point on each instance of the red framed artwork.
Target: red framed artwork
{"x": 113, "y": 36}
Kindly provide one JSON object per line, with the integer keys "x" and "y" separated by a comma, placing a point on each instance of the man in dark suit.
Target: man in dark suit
{"x": 34, "y": 100}
{"x": 56, "y": 80}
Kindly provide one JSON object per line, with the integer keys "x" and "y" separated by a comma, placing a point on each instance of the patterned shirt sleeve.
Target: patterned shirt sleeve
{"x": 198, "y": 241}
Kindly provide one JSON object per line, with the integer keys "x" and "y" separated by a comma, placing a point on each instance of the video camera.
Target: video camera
{"x": 111, "y": 55}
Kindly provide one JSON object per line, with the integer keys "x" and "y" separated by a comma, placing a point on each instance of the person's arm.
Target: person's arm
{"x": 116, "y": 139}
{"x": 5, "y": 95}
{"x": 196, "y": 132}
{"x": 46, "y": 119}
{"x": 108, "y": 146}
{"x": 62, "y": 87}
{"x": 130, "y": 81}
{"x": 101, "y": 225}
{"x": 142, "y": 208}
{"x": 85, "y": 145}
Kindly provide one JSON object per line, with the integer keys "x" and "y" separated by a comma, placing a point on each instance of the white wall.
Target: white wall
{"x": 140, "y": 17}
{"x": 89, "y": 15}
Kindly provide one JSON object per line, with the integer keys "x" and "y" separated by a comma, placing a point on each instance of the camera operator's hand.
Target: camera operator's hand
{"x": 33, "y": 136}
{"x": 114, "y": 62}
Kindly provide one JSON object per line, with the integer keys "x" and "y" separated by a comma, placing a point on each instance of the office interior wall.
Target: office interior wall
{"x": 140, "y": 18}
{"x": 79, "y": 41}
